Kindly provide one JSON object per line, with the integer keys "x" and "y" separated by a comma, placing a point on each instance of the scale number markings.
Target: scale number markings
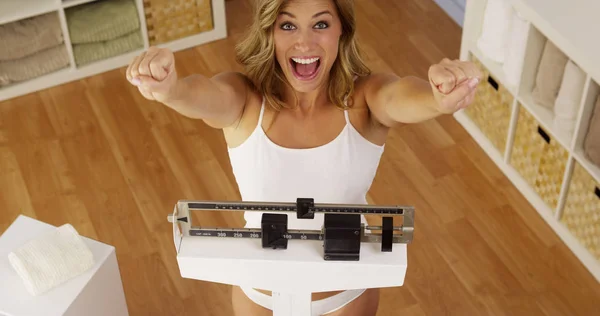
{"x": 252, "y": 234}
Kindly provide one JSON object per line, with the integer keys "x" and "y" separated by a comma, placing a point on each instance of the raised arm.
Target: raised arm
{"x": 393, "y": 100}
{"x": 218, "y": 101}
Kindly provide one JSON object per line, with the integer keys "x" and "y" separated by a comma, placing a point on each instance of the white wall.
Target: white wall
{"x": 454, "y": 8}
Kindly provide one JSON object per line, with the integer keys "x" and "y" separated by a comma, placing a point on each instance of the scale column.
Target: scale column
{"x": 292, "y": 304}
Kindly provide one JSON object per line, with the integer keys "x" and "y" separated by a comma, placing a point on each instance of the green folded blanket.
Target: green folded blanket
{"x": 102, "y": 20}
{"x": 87, "y": 53}
{"x": 29, "y": 36}
{"x": 33, "y": 66}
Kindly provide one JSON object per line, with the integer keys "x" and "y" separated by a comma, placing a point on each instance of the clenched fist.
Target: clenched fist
{"x": 153, "y": 72}
{"x": 454, "y": 84}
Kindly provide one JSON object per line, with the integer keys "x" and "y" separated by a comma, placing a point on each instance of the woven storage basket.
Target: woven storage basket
{"x": 582, "y": 210}
{"x": 539, "y": 158}
{"x": 527, "y": 148}
{"x": 169, "y": 20}
{"x": 491, "y": 109}
{"x": 552, "y": 171}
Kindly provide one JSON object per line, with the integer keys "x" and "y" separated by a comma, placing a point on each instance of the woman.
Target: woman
{"x": 308, "y": 119}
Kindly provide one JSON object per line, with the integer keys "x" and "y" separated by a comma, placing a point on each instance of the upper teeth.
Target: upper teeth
{"x": 305, "y": 60}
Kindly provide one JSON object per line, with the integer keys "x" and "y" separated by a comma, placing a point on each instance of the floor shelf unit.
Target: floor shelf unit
{"x": 58, "y": 41}
{"x": 537, "y": 111}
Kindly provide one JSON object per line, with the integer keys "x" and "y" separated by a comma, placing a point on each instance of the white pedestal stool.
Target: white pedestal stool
{"x": 97, "y": 292}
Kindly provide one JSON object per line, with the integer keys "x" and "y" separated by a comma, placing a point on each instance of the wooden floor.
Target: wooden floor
{"x": 95, "y": 154}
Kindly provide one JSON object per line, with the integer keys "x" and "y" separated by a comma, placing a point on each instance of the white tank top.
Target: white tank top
{"x": 340, "y": 171}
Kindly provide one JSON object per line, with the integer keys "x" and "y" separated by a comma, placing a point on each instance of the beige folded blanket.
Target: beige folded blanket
{"x": 102, "y": 21}
{"x": 87, "y": 53}
{"x": 591, "y": 145}
{"x": 29, "y": 36}
{"x": 32, "y": 66}
{"x": 568, "y": 101}
{"x": 549, "y": 75}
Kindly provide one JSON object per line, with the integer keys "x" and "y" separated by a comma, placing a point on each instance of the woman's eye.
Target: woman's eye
{"x": 321, "y": 25}
{"x": 287, "y": 26}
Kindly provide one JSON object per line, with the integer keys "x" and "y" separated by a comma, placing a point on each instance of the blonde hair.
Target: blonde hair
{"x": 256, "y": 52}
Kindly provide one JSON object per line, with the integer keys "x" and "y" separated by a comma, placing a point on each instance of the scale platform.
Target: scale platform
{"x": 343, "y": 255}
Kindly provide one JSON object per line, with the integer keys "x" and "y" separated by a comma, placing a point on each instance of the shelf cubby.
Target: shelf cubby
{"x": 32, "y": 48}
{"x": 176, "y": 32}
{"x": 11, "y": 11}
{"x": 550, "y": 112}
{"x": 542, "y": 80}
{"x": 539, "y": 158}
{"x": 588, "y": 129}
{"x": 581, "y": 214}
{"x": 94, "y": 38}
{"x": 492, "y": 106}
{"x": 172, "y": 20}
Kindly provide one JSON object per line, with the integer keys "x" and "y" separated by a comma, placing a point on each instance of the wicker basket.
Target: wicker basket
{"x": 553, "y": 164}
{"x": 539, "y": 158}
{"x": 169, "y": 20}
{"x": 491, "y": 109}
{"x": 582, "y": 210}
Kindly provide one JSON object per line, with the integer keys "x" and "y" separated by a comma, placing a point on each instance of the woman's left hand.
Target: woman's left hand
{"x": 454, "y": 83}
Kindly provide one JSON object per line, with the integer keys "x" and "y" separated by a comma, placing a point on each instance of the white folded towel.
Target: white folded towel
{"x": 495, "y": 29}
{"x": 568, "y": 101}
{"x": 564, "y": 126}
{"x": 51, "y": 260}
{"x": 515, "y": 48}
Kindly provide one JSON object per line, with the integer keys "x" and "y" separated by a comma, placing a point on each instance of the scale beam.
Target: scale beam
{"x": 342, "y": 233}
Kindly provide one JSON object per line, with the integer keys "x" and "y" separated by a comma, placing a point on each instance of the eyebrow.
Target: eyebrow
{"x": 314, "y": 16}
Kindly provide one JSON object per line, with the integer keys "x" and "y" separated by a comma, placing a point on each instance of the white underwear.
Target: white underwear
{"x": 318, "y": 308}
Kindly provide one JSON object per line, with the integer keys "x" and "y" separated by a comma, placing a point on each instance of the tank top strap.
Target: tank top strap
{"x": 347, "y": 117}
{"x": 262, "y": 112}
{"x": 346, "y": 109}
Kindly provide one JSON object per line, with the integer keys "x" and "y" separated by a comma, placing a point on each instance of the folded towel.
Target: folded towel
{"x": 515, "y": 48}
{"x": 495, "y": 28}
{"x": 564, "y": 126}
{"x": 87, "y": 53}
{"x": 28, "y": 36}
{"x": 591, "y": 144}
{"x": 568, "y": 101}
{"x": 50, "y": 260}
{"x": 33, "y": 66}
{"x": 102, "y": 20}
{"x": 549, "y": 75}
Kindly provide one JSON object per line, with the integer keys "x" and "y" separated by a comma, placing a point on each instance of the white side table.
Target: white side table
{"x": 98, "y": 291}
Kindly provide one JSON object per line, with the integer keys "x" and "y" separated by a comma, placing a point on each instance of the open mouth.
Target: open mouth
{"x": 305, "y": 68}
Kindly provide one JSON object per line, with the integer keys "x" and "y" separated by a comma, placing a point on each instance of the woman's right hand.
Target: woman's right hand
{"x": 153, "y": 72}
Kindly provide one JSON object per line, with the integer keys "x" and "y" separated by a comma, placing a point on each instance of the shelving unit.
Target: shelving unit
{"x": 546, "y": 164}
{"x": 18, "y": 10}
